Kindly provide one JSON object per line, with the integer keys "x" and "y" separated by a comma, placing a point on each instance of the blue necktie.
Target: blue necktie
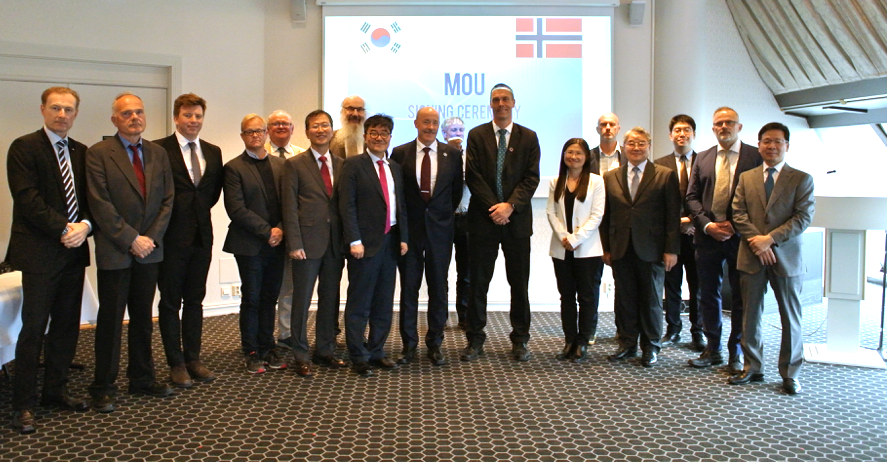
{"x": 768, "y": 183}
{"x": 500, "y": 163}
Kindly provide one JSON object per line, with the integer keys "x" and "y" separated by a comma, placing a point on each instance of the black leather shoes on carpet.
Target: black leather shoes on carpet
{"x": 520, "y": 352}
{"x": 363, "y": 369}
{"x": 65, "y": 401}
{"x": 671, "y": 338}
{"x": 566, "y": 353}
{"x": 384, "y": 363}
{"x": 329, "y": 361}
{"x": 24, "y": 421}
{"x": 436, "y": 356}
{"x": 699, "y": 342}
{"x": 791, "y": 386}
{"x": 579, "y": 353}
{"x": 104, "y": 404}
{"x": 623, "y": 353}
{"x": 735, "y": 364}
{"x": 708, "y": 358}
{"x": 746, "y": 377}
{"x": 649, "y": 358}
{"x": 471, "y": 352}
{"x": 407, "y": 356}
{"x": 156, "y": 389}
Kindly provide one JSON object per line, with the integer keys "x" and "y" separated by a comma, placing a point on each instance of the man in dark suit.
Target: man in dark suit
{"x": 453, "y": 131}
{"x": 641, "y": 240}
{"x": 314, "y": 242}
{"x": 432, "y": 174}
{"x": 131, "y": 197}
{"x": 50, "y": 223}
{"x": 709, "y": 198}
{"x": 502, "y": 173}
{"x": 607, "y": 155}
{"x": 198, "y": 176}
{"x": 772, "y": 207}
{"x": 682, "y": 132}
{"x": 374, "y": 220}
{"x": 255, "y": 235}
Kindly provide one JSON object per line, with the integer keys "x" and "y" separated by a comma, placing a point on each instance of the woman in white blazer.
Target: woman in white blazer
{"x": 575, "y": 208}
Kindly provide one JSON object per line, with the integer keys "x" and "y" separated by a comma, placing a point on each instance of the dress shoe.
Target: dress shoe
{"x": 304, "y": 369}
{"x": 24, "y": 422}
{"x": 579, "y": 353}
{"x": 471, "y": 352}
{"x": 199, "y": 372}
{"x": 329, "y": 361}
{"x": 436, "y": 356}
{"x": 791, "y": 386}
{"x": 735, "y": 365}
{"x": 65, "y": 401}
{"x": 566, "y": 353}
{"x": 407, "y": 356}
{"x": 384, "y": 363}
{"x": 363, "y": 368}
{"x": 520, "y": 352}
{"x": 156, "y": 389}
{"x": 649, "y": 358}
{"x": 708, "y": 358}
{"x": 104, "y": 404}
{"x": 699, "y": 342}
{"x": 179, "y": 377}
{"x": 623, "y": 353}
{"x": 746, "y": 377}
{"x": 671, "y": 338}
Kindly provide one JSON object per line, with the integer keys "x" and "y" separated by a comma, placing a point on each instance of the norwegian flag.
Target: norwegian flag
{"x": 548, "y": 38}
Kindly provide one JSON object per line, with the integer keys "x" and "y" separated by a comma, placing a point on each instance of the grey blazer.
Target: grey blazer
{"x": 120, "y": 211}
{"x": 787, "y": 214}
{"x": 310, "y": 216}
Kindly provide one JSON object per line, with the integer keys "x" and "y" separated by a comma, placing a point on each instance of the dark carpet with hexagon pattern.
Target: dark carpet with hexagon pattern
{"x": 488, "y": 410}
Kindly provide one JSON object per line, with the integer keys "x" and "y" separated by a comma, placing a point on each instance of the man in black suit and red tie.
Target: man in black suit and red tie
{"x": 314, "y": 242}
{"x": 502, "y": 173}
{"x": 432, "y": 174}
{"x": 682, "y": 132}
{"x": 130, "y": 196}
{"x": 198, "y": 177}
{"x": 710, "y": 197}
{"x": 374, "y": 221}
{"x": 50, "y": 223}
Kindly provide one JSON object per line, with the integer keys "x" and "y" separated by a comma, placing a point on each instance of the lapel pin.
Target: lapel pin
{"x": 510, "y": 149}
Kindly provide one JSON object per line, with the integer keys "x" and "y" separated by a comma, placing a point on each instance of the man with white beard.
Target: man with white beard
{"x": 348, "y": 140}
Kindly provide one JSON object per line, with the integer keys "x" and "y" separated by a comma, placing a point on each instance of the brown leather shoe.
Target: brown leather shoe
{"x": 24, "y": 422}
{"x": 199, "y": 372}
{"x": 304, "y": 369}
{"x": 179, "y": 377}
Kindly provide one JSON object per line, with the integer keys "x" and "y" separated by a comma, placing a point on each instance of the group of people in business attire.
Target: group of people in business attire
{"x": 297, "y": 215}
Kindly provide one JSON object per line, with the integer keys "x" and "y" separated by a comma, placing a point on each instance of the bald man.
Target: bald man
{"x": 348, "y": 140}
{"x": 432, "y": 174}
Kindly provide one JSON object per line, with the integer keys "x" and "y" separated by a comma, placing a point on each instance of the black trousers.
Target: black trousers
{"x": 463, "y": 274}
{"x": 484, "y": 251}
{"x": 182, "y": 284}
{"x": 432, "y": 259}
{"x": 58, "y": 295}
{"x": 260, "y": 279}
{"x": 578, "y": 279}
{"x": 674, "y": 283}
{"x": 638, "y": 301}
{"x": 131, "y": 289}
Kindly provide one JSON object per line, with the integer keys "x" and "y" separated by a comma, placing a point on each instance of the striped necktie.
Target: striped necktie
{"x": 68, "y": 181}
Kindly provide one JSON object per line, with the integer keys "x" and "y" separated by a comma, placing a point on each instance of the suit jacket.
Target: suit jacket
{"x": 520, "y": 177}
{"x": 362, "y": 205}
{"x": 787, "y": 214}
{"x": 701, "y": 191}
{"x": 191, "y": 220}
{"x": 585, "y": 236}
{"x": 246, "y": 202}
{"x": 671, "y": 162}
{"x": 39, "y": 209}
{"x": 311, "y": 216}
{"x": 118, "y": 207}
{"x": 596, "y": 160}
{"x": 652, "y": 221}
{"x": 435, "y": 219}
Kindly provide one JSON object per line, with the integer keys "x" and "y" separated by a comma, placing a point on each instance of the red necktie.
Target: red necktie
{"x": 425, "y": 180}
{"x": 137, "y": 166}
{"x": 384, "y": 182}
{"x": 325, "y": 174}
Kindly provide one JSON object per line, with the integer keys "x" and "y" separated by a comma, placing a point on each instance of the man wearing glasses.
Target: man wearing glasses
{"x": 709, "y": 199}
{"x": 280, "y": 131}
{"x": 252, "y": 182}
{"x": 374, "y": 221}
{"x": 348, "y": 140}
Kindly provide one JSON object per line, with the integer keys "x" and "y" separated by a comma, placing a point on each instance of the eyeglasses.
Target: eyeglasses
{"x": 637, "y": 144}
{"x": 353, "y": 109}
{"x": 280, "y": 124}
{"x": 725, "y": 123}
{"x": 682, "y": 130}
{"x": 322, "y": 126}
{"x": 382, "y": 135}
{"x": 253, "y": 132}
{"x": 777, "y": 143}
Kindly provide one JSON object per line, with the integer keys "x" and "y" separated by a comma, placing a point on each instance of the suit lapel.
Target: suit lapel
{"x": 649, "y": 173}
{"x": 622, "y": 179}
{"x": 443, "y": 165}
{"x": 52, "y": 158}
{"x": 409, "y": 163}
{"x": 120, "y": 157}
{"x": 309, "y": 162}
{"x": 150, "y": 164}
{"x": 177, "y": 163}
{"x": 370, "y": 170}
{"x": 758, "y": 186}
{"x": 785, "y": 178}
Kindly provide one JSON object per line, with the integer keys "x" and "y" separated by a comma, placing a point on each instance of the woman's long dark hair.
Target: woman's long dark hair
{"x": 584, "y": 177}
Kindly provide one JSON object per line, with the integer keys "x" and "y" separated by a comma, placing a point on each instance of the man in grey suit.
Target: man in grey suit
{"x": 641, "y": 240}
{"x": 314, "y": 242}
{"x": 252, "y": 200}
{"x": 131, "y": 194}
{"x": 772, "y": 207}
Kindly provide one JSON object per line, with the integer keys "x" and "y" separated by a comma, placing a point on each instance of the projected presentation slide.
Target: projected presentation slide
{"x": 559, "y": 68}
